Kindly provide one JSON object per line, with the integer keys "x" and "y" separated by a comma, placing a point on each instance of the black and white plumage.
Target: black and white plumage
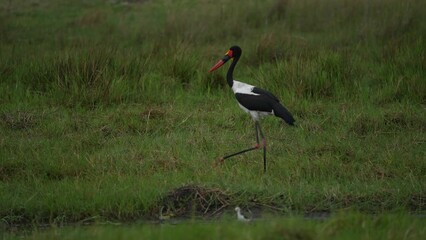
{"x": 241, "y": 217}
{"x": 253, "y": 100}
{"x": 259, "y": 103}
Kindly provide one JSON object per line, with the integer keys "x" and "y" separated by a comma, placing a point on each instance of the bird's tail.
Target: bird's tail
{"x": 282, "y": 112}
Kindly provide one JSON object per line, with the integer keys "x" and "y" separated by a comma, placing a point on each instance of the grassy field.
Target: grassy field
{"x": 341, "y": 226}
{"x": 107, "y": 109}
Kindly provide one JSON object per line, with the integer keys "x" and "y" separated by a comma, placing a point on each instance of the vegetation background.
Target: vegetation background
{"x": 107, "y": 108}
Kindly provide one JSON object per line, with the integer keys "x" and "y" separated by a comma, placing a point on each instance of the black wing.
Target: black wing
{"x": 255, "y": 102}
{"x": 282, "y": 112}
{"x": 274, "y": 102}
{"x": 266, "y": 93}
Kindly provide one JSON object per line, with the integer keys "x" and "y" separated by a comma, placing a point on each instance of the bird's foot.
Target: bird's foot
{"x": 219, "y": 161}
{"x": 257, "y": 145}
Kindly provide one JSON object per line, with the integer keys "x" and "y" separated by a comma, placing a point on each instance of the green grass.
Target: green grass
{"x": 106, "y": 107}
{"x": 342, "y": 226}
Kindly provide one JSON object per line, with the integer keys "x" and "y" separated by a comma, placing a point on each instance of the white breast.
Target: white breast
{"x": 240, "y": 87}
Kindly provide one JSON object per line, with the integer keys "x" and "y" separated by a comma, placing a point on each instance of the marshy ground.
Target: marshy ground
{"x": 108, "y": 114}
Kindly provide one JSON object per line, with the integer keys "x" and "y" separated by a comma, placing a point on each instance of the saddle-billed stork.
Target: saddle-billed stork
{"x": 253, "y": 100}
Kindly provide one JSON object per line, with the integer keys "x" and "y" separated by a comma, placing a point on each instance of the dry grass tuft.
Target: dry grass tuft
{"x": 193, "y": 199}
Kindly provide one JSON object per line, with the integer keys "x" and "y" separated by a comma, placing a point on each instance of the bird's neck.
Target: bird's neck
{"x": 240, "y": 216}
{"x": 229, "y": 75}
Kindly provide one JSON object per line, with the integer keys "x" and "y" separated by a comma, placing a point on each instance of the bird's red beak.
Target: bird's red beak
{"x": 228, "y": 55}
{"x": 217, "y": 65}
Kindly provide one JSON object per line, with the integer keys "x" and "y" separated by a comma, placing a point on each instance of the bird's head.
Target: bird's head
{"x": 237, "y": 209}
{"x": 233, "y": 53}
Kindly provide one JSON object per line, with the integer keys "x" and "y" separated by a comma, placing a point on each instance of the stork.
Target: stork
{"x": 253, "y": 100}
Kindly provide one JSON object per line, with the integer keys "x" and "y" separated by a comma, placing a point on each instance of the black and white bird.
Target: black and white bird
{"x": 241, "y": 217}
{"x": 253, "y": 100}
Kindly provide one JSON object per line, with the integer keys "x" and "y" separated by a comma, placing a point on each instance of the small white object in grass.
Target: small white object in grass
{"x": 240, "y": 216}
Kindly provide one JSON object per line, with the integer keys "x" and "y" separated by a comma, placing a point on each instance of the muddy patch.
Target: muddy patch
{"x": 208, "y": 203}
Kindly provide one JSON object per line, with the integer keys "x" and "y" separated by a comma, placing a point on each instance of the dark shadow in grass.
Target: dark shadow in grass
{"x": 18, "y": 120}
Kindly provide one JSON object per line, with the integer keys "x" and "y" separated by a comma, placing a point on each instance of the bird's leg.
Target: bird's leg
{"x": 256, "y": 128}
{"x": 240, "y": 152}
{"x": 261, "y": 135}
{"x": 264, "y": 147}
{"x": 257, "y": 146}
